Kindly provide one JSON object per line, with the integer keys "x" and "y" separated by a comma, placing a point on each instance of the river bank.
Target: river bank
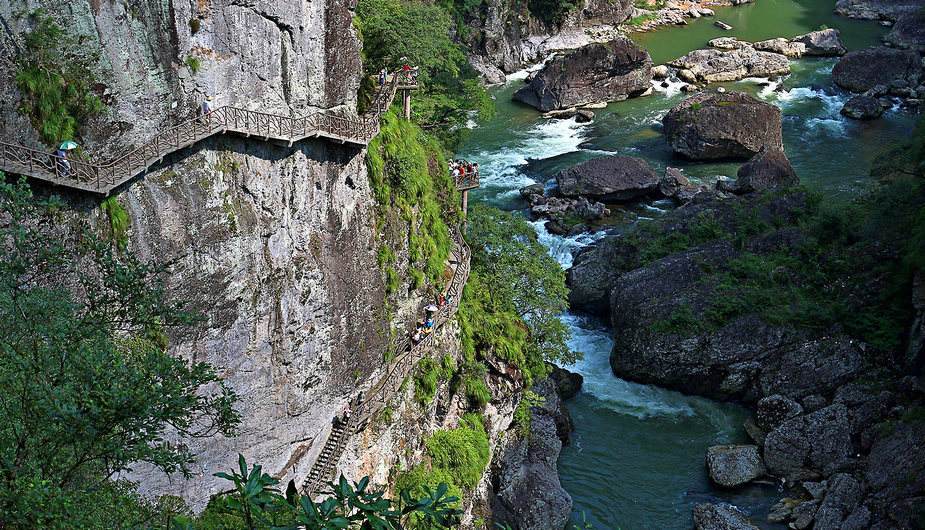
{"x": 637, "y": 456}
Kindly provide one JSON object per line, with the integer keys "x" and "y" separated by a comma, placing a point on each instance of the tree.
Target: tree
{"x": 516, "y": 293}
{"x": 419, "y": 31}
{"x": 89, "y": 388}
{"x": 256, "y": 503}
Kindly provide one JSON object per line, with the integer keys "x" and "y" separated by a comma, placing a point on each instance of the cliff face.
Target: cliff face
{"x": 506, "y": 37}
{"x": 275, "y": 245}
{"x": 159, "y": 60}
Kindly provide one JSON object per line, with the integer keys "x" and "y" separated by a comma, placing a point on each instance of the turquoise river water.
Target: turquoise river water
{"x": 636, "y": 459}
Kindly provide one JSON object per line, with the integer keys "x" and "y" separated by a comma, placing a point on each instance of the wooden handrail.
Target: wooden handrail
{"x": 103, "y": 177}
{"x": 378, "y": 396}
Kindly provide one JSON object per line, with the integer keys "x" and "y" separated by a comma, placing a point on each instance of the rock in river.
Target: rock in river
{"x": 598, "y": 72}
{"x": 714, "y": 65}
{"x": 770, "y": 169}
{"x": 734, "y": 465}
{"x": 609, "y": 179}
{"x": 712, "y": 125}
{"x": 720, "y": 517}
{"x": 825, "y": 42}
{"x": 809, "y": 446}
{"x": 862, "y": 107}
{"x": 862, "y": 70}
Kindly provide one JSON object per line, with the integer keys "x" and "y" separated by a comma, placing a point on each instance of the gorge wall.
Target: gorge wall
{"x": 276, "y": 246}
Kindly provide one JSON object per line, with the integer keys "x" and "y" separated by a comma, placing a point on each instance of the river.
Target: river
{"x": 636, "y": 459}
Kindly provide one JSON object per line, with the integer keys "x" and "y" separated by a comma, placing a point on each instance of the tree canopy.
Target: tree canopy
{"x": 89, "y": 388}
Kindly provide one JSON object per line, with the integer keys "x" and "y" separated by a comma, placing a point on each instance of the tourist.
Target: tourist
{"x": 62, "y": 165}
{"x": 383, "y": 75}
{"x": 206, "y": 106}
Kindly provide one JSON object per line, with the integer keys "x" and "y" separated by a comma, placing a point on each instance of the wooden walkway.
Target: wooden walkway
{"x": 104, "y": 177}
{"x": 377, "y": 398}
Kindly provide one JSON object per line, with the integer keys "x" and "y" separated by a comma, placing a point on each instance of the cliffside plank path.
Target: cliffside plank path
{"x": 104, "y": 177}
{"x": 378, "y": 396}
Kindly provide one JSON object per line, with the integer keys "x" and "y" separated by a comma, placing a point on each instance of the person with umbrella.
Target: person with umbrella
{"x": 62, "y": 164}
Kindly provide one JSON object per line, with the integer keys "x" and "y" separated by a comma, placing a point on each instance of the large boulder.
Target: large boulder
{"x": 720, "y": 517}
{"x": 862, "y": 107}
{"x": 712, "y": 65}
{"x": 825, "y": 42}
{"x": 568, "y": 383}
{"x": 810, "y": 446}
{"x": 609, "y": 179}
{"x": 877, "y": 9}
{"x": 712, "y": 125}
{"x": 770, "y": 169}
{"x": 842, "y": 497}
{"x": 734, "y": 465}
{"x": 598, "y": 72}
{"x": 908, "y": 32}
{"x": 774, "y": 410}
{"x": 528, "y": 494}
{"x": 862, "y": 70}
{"x": 781, "y": 46}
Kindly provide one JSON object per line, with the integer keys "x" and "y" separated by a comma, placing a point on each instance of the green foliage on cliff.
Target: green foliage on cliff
{"x": 449, "y": 88}
{"x": 88, "y": 386}
{"x": 412, "y": 183}
{"x": 428, "y": 375}
{"x": 456, "y": 457}
{"x": 515, "y": 294}
{"x": 56, "y": 83}
{"x": 119, "y": 221}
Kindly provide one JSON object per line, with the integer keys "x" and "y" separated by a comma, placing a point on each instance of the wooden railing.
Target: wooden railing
{"x": 380, "y": 394}
{"x": 103, "y": 177}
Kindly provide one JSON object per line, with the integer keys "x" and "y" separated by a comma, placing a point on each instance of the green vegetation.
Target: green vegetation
{"x": 194, "y": 25}
{"x": 641, "y": 20}
{"x": 413, "y": 185}
{"x": 193, "y": 63}
{"x": 849, "y": 263}
{"x": 119, "y": 221}
{"x": 428, "y": 376}
{"x": 522, "y": 414}
{"x": 455, "y": 457}
{"x": 515, "y": 294}
{"x": 255, "y": 503}
{"x": 82, "y": 336}
{"x": 55, "y": 81}
{"x": 552, "y": 12}
{"x": 449, "y": 88}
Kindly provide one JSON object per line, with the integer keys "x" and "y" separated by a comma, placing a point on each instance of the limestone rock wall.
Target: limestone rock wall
{"x": 275, "y": 245}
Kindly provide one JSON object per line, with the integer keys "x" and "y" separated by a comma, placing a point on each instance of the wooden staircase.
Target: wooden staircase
{"x": 104, "y": 177}
{"x": 377, "y": 397}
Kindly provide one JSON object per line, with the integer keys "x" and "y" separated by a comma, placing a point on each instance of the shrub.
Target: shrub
{"x": 193, "y": 63}
{"x": 119, "y": 221}
{"x": 463, "y": 451}
{"x": 55, "y": 83}
{"x": 523, "y": 413}
{"x": 428, "y": 376}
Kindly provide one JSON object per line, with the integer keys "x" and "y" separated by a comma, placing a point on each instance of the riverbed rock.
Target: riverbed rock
{"x": 781, "y": 46}
{"x": 598, "y": 72}
{"x": 862, "y": 70}
{"x": 566, "y": 210}
{"x": 609, "y": 179}
{"x": 824, "y": 42}
{"x": 734, "y": 465}
{"x": 769, "y": 169}
{"x": 713, "y": 65}
{"x": 773, "y": 410}
{"x": 528, "y": 493}
{"x": 809, "y": 446}
{"x": 712, "y": 125}
{"x": 720, "y": 517}
{"x": 862, "y": 107}
{"x": 877, "y": 9}
{"x": 660, "y": 72}
{"x": 908, "y": 32}
{"x": 568, "y": 383}
{"x": 843, "y": 495}
{"x": 533, "y": 189}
